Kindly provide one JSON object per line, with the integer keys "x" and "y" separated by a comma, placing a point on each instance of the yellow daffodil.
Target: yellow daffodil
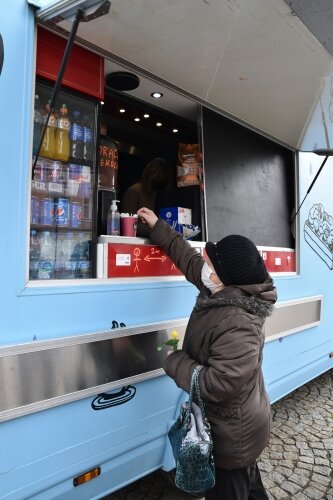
{"x": 173, "y": 341}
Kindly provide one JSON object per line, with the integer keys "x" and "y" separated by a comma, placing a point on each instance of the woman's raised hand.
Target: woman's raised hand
{"x": 147, "y": 217}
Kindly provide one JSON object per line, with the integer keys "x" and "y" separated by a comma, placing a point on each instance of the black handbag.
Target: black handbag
{"x": 192, "y": 445}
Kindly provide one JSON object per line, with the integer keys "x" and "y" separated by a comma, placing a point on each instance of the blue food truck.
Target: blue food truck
{"x": 237, "y": 96}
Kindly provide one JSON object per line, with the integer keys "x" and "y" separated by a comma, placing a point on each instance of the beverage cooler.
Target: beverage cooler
{"x": 62, "y": 214}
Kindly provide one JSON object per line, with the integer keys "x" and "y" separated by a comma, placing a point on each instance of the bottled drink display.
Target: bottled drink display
{"x": 76, "y": 136}
{"x": 48, "y": 144}
{"x": 62, "y": 145}
{"x": 61, "y": 207}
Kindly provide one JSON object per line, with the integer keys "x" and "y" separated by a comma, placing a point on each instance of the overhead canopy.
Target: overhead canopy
{"x": 254, "y": 60}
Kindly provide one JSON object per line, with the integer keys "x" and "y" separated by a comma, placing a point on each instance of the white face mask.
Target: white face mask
{"x": 206, "y": 271}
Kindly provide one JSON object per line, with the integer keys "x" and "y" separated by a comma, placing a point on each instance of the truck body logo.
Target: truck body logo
{"x": 103, "y": 401}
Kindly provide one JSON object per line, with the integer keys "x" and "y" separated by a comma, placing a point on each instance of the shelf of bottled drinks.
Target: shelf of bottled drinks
{"x": 62, "y": 186}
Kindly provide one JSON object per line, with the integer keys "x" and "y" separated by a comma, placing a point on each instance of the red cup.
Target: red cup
{"x": 128, "y": 225}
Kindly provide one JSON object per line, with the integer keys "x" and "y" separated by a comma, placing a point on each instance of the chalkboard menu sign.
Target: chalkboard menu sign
{"x": 249, "y": 181}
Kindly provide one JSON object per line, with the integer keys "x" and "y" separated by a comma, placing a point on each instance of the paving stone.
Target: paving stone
{"x": 318, "y": 445}
{"x": 284, "y": 471}
{"x": 276, "y": 477}
{"x": 278, "y": 494}
{"x": 321, "y": 479}
{"x": 322, "y": 461}
{"x": 321, "y": 453}
{"x": 277, "y": 447}
{"x": 305, "y": 466}
{"x": 308, "y": 460}
{"x": 276, "y": 455}
{"x": 302, "y": 445}
{"x": 289, "y": 455}
{"x": 290, "y": 487}
{"x": 319, "y": 486}
{"x": 313, "y": 493}
{"x": 303, "y": 472}
{"x": 267, "y": 467}
{"x": 321, "y": 469}
{"x": 299, "y": 479}
{"x": 328, "y": 444}
{"x": 300, "y": 496}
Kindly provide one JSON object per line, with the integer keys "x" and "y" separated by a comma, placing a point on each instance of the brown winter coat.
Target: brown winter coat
{"x": 225, "y": 335}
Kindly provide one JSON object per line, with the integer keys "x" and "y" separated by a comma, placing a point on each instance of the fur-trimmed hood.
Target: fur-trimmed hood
{"x": 257, "y": 300}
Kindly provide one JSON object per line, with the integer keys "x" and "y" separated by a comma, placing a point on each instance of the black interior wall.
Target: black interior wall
{"x": 249, "y": 183}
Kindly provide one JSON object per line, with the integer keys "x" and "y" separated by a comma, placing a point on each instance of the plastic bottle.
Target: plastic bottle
{"x": 46, "y": 263}
{"x": 88, "y": 150}
{"x": 34, "y": 254}
{"x": 37, "y": 125}
{"x": 81, "y": 255}
{"x": 48, "y": 144}
{"x": 62, "y": 145}
{"x": 76, "y": 137}
{"x": 113, "y": 221}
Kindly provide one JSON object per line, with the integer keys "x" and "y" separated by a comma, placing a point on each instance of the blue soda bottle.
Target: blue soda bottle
{"x": 88, "y": 146}
{"x": 76, "y": 138}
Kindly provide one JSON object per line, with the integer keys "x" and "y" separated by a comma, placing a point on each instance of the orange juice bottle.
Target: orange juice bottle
{"x": 62, "y": 135}
{"x": 48, "y": 144}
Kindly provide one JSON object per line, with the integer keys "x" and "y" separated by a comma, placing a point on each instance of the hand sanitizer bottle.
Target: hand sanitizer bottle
{"x": 113, "y": 222}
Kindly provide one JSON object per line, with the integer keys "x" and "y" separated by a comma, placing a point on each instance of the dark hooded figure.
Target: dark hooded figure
{"x": 225, "y": 335}
{"x": 157, "y": 175}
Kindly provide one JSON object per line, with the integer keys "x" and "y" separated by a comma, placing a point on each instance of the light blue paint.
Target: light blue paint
{"x": 42, "y": 452}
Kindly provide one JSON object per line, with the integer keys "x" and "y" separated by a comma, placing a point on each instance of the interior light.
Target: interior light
{"x": 158, "y": 124}
{"x": 102, "y": 102}
{"x": 175, "y": 130}
{"x": 157, "y": 95}
{"x": 136, "y": 119}
{"x": 122, "y": 110}
{"x": 146, "y": 115}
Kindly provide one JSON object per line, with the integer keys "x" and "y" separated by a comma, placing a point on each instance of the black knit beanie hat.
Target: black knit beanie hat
{"x": 237, "y": 261}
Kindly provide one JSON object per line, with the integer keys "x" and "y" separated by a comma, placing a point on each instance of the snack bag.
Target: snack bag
{"x": 189, "y": 165}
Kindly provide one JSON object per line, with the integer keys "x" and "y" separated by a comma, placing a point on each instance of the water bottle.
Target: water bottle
{"x": 88, "y": 150}
{"x": 46, "y": 262}
{"x": 76, "y": 138}
{"x": 34, "y": 254}
{"x": 68, "y": 256}
{"x": 37, "y": 125}
{"x": 81, "y": 252}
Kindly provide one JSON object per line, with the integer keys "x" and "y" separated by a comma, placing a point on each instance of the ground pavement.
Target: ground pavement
{"x": 298, "y": 462}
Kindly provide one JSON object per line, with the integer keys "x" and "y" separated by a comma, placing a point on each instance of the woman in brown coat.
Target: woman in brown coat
{"x": 225, "y": 335}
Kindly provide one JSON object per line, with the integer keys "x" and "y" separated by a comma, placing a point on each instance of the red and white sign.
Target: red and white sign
{"x": 139, "y": 260}
{"x": 278, "y": 260}
{"x": 135, "y": 261}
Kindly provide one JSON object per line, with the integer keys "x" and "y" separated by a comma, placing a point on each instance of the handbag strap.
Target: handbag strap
{"x": 195, "y": 390}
